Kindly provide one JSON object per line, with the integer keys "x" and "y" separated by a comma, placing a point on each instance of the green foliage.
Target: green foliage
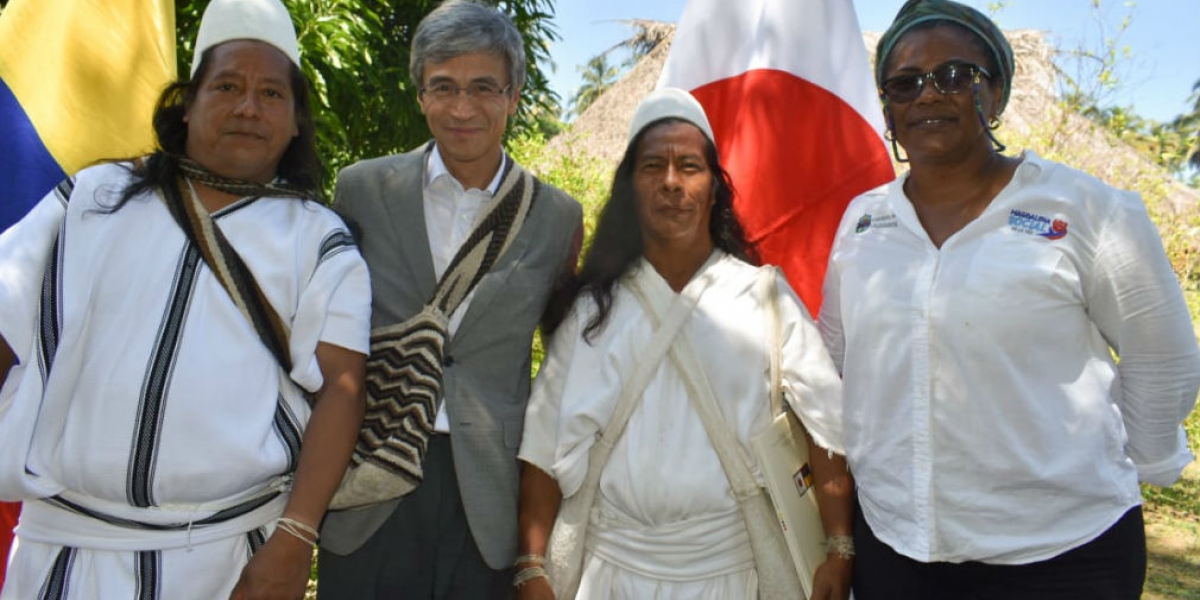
{"x": 1192, "y": 424}
{"x": 355, "y": 54}
{"x": 598, "y": 76}
{"x": 1091, "y": 76}
{"x": 544, "y": 110}
{"x": 585, "y": 179}
{"x": 995, "y": 8}
{"x": 1190, "y": 122}
{"x": 647, "y": 35}
{"x": 1169, "y": 145}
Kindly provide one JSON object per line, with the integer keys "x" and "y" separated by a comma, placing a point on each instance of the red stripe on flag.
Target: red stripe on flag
{"x": 8, "y": 520}
{"x": 797, "y": 155}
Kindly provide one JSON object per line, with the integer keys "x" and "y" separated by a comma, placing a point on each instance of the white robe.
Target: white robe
{"x": 666, "y": 525}
{"x": 157, "y": 405}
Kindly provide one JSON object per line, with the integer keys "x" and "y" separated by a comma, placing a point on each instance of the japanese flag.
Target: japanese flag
{"x": 788, "y": 89}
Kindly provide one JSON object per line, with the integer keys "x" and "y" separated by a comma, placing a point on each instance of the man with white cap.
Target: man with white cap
{"x": 183, "y": 336}
{"x": 664, "y": 520}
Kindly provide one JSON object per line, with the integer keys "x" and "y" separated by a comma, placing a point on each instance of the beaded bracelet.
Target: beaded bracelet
{"x": 841, "y": 546}
{"x": 528, "y": 574}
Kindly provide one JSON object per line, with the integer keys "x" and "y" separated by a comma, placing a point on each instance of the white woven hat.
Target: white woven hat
{"x": 667, "y": 103}
{"x": 261, "y": 20}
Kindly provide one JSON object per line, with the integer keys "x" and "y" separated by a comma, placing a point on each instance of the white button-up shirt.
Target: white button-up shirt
{"x": 451, "y": 213}
{"x": 985, "y": 417}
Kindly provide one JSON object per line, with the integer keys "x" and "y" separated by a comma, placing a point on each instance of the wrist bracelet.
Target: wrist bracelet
{"x": 533, "y": 559}
{"x": 528, "y": 574}
{"x": 298, "y": 530}
{"x": 841, "y": 546}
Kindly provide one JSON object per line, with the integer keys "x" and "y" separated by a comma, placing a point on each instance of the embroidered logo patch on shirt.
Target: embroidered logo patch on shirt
{"x": 882, "y": 221}
{"x": 1027, "y": 222}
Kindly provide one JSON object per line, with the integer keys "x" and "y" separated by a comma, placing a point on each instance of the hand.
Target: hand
{"x": 536, "y": 589}
{"x": 832, "y": 579}
{"x": 279, "y": 571}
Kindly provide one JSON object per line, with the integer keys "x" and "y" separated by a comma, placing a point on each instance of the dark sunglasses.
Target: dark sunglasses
{"x": 950, "y": 78}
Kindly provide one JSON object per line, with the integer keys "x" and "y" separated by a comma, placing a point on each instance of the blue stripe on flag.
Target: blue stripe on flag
{"x": 27, "y": 170}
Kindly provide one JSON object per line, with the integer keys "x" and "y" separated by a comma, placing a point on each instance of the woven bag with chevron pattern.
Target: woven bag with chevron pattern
{"x": 404, "y": 369}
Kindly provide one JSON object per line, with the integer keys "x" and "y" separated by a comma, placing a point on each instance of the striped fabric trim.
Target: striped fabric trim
{"x": 230, "y": 270}
{"x": 50, "y": 326}
{"x": 256, "y": 539}
{"x": 236, "y": 206}
{"x": 58, "y": 581}
{"x": 144, "y": 453}
{"x": 288, "y": 428}
{"x": 64, "y": 189}
{"x": 223, "y": 260}
{"x": 221, "y": 516}
{"x": 335, "y": 243}
{"x": 148, "y": 571}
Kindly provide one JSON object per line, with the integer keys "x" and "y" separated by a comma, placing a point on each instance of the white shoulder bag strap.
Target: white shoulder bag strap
{"x": 777, "y": 579}
{"x": 564, "y": 560}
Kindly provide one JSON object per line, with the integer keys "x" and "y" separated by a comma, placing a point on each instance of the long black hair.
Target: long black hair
{"x": 617, "y": 243}
{"x": 300, "y": 164}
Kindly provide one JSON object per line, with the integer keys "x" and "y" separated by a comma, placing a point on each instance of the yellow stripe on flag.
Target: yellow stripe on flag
{"x": 88, "y": 72}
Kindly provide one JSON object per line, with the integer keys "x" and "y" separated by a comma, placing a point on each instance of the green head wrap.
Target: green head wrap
{"x": 915, "y": 12}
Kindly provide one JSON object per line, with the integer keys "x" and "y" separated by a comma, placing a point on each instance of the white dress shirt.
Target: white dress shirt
{"x": 985, "y": 416}
{"x": 451, "y": 214}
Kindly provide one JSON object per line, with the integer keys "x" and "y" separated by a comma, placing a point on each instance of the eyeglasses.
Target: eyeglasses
{"x": 950, "y": 78}
{"x": 479, "y": 91}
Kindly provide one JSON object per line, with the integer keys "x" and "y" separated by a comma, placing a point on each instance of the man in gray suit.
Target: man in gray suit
{"x": 455, "y": 536}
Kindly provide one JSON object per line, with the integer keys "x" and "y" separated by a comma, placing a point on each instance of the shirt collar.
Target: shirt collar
{"x": 435, "y": 168}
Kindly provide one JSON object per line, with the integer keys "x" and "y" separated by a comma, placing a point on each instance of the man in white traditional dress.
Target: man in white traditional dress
{"x": 665, "y": 523}
{"x": 183, "y": 340}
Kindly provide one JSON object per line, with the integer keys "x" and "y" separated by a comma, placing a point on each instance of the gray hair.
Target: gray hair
{"x": 460, "y": 27}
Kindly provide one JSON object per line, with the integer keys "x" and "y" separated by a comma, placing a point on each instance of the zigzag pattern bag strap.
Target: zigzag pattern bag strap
{"x": 404, "y": 370}
{"x": 493, "y": 235}
{"x": 229, "y": 268}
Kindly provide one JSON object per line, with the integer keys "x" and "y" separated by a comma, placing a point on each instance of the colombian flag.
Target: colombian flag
{"x": 789, "y": 92}
{"x": 78, "y": 83}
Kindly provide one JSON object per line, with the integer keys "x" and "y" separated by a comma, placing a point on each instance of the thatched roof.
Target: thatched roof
{"x": 1034, "y": 112}
{"x": 602, "y": 129}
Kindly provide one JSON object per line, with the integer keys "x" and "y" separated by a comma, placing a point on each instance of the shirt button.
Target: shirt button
{"x": 448, "y": 361}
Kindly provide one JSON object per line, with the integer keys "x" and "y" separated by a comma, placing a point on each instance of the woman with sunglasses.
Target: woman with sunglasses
{"x": 1015, "y": 348}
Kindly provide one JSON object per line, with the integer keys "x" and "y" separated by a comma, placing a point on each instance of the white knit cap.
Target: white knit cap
{"x": 260, "y": 20}
{"x": 667, "y": 103}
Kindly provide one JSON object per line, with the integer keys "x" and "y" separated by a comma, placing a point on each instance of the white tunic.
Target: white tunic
{"x": 666, "y": 524}
{"x": 985, "y": 417}
{"x": 156, "y": 404}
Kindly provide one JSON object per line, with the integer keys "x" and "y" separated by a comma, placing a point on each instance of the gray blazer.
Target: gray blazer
{"x": 487, "y": 367}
